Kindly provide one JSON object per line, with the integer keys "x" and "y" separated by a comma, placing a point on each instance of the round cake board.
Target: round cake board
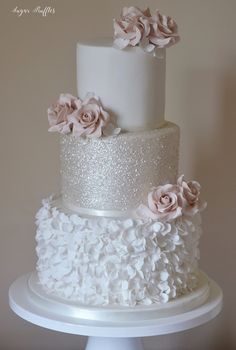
{"x": 107, "y": 335}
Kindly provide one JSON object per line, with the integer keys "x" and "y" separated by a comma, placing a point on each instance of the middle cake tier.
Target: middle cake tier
{"x": 111, "y": 176}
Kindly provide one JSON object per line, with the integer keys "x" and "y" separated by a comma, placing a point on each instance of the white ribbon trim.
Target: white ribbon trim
{"x": 97, "y": 212}
{"x": 64, "y": 307}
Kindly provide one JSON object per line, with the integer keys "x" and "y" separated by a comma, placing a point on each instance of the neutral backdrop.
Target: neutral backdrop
{"x": 37, "y": 58}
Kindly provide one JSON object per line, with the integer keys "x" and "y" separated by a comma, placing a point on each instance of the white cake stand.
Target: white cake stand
{"x": 104, "y": 335}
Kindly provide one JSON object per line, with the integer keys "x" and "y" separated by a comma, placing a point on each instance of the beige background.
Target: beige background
{"x": 38, "y": 62}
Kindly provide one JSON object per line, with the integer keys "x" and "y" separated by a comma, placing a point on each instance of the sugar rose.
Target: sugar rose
{"x": 164, "y": 203}
{"x": 132, "y": 28}
{"x": 191, "y": 196}
{"x": 137, "y": 27}
{"x": 59, "y": 113}
{"x": 164, "y": 31}
{"x": 168, "y": 202}
{"x": 91, "y": 120}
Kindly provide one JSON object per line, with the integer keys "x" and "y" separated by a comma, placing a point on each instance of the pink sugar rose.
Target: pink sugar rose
{"x": 164, "y": 203}
{"x": 168, "y": 202}
{"x": 137, "y": 27}
{"x": 59, "y": 113}
{"x": 91, "y": 120}
{"x": 133, "y": 28}
{"x": 133, "y": 13}
{"x": 191, "y": 196}
{"x": 164, "y": 31}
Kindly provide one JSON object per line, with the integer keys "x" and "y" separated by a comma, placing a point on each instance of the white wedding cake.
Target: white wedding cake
{"x": 125, "y": 229}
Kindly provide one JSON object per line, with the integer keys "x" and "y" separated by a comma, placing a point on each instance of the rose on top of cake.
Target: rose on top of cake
{"x": 138, "y": 27}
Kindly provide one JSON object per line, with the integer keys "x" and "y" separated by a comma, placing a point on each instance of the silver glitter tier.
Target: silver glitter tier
{"x": 116, "y": 173}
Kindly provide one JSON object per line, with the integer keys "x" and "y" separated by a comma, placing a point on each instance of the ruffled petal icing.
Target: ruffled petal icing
{"x": 107, "y": 261}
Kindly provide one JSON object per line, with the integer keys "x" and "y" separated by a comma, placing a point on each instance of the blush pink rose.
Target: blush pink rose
{"x": 164, "y": 31}
{"x": 164, "y": 203}
{"x": 132, "y": 28}
{"x": 137, "y": 27}
{"x": 91, "y": 120}
{"x": 59, "y": 113}
{"x": 191, "y": 196}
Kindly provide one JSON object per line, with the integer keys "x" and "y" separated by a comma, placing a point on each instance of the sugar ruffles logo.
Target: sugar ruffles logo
{"x": 38, "y": 10}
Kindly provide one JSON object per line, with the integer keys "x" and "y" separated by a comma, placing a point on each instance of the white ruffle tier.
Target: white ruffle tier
{"x": 107, "y": 261}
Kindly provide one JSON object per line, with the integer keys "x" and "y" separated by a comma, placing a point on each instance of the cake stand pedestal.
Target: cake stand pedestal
{"x": 104, "y": 335}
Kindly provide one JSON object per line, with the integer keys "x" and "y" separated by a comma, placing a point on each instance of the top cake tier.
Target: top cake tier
{"x": 130, "y": 82}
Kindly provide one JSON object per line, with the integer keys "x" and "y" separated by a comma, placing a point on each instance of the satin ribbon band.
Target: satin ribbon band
{"x": 97, "y": 212}
{"x": 122, "y": 314}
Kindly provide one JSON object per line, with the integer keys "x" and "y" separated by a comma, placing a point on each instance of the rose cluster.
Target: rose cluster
{"x": 138, "y": 27}
{"x": 82, "y": 118}
{"x": 168, "y": 202}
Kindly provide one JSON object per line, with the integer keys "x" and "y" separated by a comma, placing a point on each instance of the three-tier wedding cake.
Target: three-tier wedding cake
{"x": 125, "y": 229}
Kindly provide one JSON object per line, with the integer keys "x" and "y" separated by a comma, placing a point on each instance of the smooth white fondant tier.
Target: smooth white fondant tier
{"x": 116, "y": 173}
{"x": 130, "y": 82}
{"x": 109, "y": 261}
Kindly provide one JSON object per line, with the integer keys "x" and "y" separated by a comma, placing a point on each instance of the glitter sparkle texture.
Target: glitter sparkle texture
{"x": 116, "y": 173}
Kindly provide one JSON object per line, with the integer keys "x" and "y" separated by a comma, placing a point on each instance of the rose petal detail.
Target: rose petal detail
{"x": 59, "y": 113}
{"x": 168, "y": 202}
{"x": 191, "y": 196}
{"x": 138, "y": 27}
{"x": 83, "y": 118}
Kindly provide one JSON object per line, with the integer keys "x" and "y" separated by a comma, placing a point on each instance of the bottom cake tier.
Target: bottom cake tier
{"x": 115, "y": 261}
